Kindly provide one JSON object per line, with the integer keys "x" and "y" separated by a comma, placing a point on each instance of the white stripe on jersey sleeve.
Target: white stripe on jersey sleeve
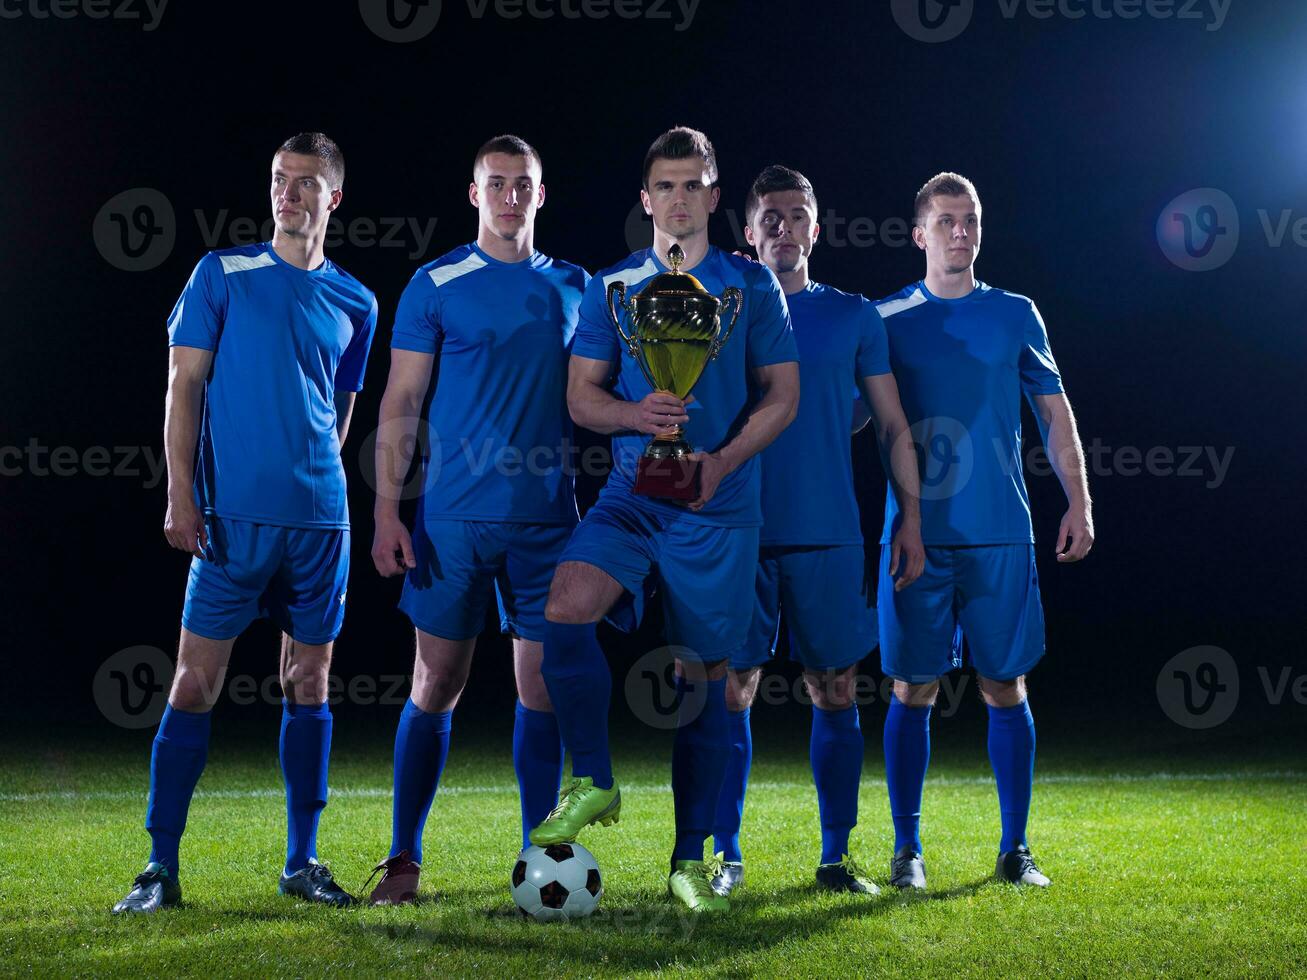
{"x": 631, "y": 276}
{"x": 244, "y": 263}
{"x": 443, "y": 274}
{"x": 886, "y": 310}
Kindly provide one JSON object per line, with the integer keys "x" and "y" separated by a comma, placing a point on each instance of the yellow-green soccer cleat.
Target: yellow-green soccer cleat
{"x": 581, "y": 804}
{"x": 690, "y": 884}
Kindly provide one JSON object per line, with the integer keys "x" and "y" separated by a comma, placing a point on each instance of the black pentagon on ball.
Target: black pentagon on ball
{"x": 553, "y": 895}
{"x": 559, "y": 852}
{"x": 519, "y": 873}
{"x": 592, "y": 883}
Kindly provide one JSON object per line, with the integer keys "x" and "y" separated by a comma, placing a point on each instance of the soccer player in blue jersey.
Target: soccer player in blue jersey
{"x": 272, "y": 340}
{"x": 964, "y": 353}
{"x": 702, "y": 555}
{"x": 497, "y": 504}
{"x": 812, "y": 568}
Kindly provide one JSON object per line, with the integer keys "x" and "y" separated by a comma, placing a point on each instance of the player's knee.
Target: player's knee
{"x": 832, "y": 690}
{"x": 193, "y": 691}
{"x": 1003, "y": 694}
{"x": 916, "y": 695}
{"x": 305, "y": 669}
{"x": 437, "y": 688}
{"x": 533, "y": 693}
{"x": 741, "y": 689}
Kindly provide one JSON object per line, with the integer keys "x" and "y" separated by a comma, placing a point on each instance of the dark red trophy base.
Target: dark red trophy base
{"x": 668, "y": 478}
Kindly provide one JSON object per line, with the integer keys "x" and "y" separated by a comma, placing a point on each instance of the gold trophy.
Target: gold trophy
{"x": 676, "y": 329}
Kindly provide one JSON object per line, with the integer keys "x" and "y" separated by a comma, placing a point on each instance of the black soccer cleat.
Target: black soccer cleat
{"x": 1019, "y": 868}
{"x": 846, "y": 876}
{"x": 907, "y": 870}
{"x": 729, "y": 877}
{"x": 314, "y": 883}
{"x": 152, "y": 890}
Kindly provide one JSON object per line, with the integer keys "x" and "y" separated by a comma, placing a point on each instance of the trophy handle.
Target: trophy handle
{"x": 618, "y": 289}
{"x": 732, "y": 293}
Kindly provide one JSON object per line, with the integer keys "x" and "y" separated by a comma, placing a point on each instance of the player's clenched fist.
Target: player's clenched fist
{"x": 392, "y": 547}
{"x": 656, "y": 412}
{"x": 183, "y": 526}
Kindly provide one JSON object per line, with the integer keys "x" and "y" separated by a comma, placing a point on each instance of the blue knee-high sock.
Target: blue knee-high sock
{"x": 698, "y": 763}
{"x": 1012, "y": 754}
{"x": 176, "y": 761}
{"x": 580, "y": 687}
{"x": 421, "y": 747}
{"x": 538, "y": 762}
{"x": 305, "y": 746}
{"x": 835, "y": 751}
{"x": 735, "y": 783}
{"x": 907, "y": 756}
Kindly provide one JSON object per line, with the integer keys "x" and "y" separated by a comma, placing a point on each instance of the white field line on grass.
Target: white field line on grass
{"x": 384, "y": 792}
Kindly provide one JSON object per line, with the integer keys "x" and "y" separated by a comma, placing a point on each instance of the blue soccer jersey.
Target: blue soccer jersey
{"x": 722, "y": 395}
{"x": 502, "y": 447}
{"x": 807, "y": 473}
{"x": 285, "y": 340}
{"x": 961, "y": 367}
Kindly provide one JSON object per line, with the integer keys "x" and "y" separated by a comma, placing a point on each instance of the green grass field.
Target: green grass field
{"x": 1189, "y": 867}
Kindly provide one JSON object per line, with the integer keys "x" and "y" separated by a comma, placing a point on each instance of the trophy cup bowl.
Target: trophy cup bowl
{"x": 675, "y": 330}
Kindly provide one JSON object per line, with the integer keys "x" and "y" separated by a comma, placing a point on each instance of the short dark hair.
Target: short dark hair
{"x": 681, "y": 143}
{"x": 772, "y": 179}
{"x": 514, "y": 146}
{"x": 946, "y": 184}
{"x": 325, "y": 149}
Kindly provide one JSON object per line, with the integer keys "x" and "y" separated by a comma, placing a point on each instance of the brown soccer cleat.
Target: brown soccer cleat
{"x": 399, "y": 881}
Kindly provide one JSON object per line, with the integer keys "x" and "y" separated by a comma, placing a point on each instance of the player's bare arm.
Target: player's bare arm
{"x": 344, "y": 401}
{"x": 779, "y": 385}
{"x": 397, "y": 426}
{"x": 1075, "y": 536}
{"x": 594, "y": 406}
{"x": 183, "y": 524}
{"x": 881, "y": 393}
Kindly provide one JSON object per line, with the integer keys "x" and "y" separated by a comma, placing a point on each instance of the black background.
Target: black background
{"x": 1076, "y": 131}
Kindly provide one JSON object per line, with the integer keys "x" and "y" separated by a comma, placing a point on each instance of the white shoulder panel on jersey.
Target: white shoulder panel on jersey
{"x": 631, "y": 276}
{"x": 915, "y": 298}
{"x": 244, "y": 263}
{"x": 445, "y": 273}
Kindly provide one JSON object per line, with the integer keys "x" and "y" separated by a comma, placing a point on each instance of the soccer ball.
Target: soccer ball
{"x": 558, "y": 882}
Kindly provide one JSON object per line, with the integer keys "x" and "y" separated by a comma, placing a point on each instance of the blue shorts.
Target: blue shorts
{"x": 459, "y": 564}
{"x": 988, "y": 594}
{"x": 827, "y": 597}
{"x": 294, "y": 576}
{"x": 705, "y": 573}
